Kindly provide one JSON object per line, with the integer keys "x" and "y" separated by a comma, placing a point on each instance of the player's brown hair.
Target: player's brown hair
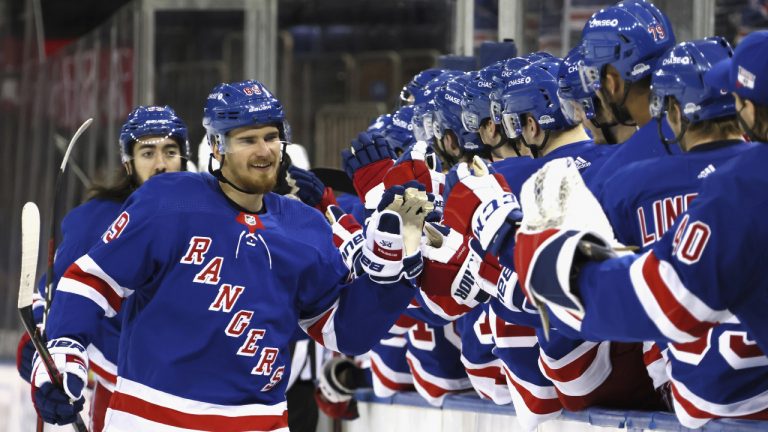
{"x": 118, "y": 190}
{"x": 761, "y": 122}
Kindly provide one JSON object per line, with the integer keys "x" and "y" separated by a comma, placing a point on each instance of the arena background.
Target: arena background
{"x": 336, "y": 64}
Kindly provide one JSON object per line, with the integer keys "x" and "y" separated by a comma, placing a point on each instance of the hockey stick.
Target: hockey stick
{"x": 52, "y": 222}
{"x": 30, "y": 238}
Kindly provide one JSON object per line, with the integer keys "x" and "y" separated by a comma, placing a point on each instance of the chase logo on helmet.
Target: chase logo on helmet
{"x": 673, "y": 59}
{"x": 514, "y": 82}
{"x": 603, "y": 23}
{"x": 484, "y": 84}
{"x": 453, "y": 99}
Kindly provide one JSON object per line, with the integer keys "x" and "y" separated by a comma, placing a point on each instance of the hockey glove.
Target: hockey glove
{"x": 60, "y": 405}
{"x": 563, "y": 226}
{"x": 393, "y": 237}
{"x": 412, "y": 166}
{"x": 481, "y": 203}
{"x": 367, "y": 161}
{"x": 305, "y": 186}
{"x": 347, "y": 235}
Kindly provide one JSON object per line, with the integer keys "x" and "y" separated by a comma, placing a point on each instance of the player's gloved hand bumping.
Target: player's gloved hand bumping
{"x": 60, "y": 405}
{"x": 393, "y": 235}
{"x": 481, "y": 202}
{"x": 419, "y": 163}
{"x": 366, "y": 162}
{"x": 305, "y": 186}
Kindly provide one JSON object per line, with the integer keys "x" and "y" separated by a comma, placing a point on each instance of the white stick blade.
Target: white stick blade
{"x": 77, "y": 134}
{"x": 30, "y": 244}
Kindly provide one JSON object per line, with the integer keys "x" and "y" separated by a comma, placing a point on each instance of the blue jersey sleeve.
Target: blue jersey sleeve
{"x": 347, "y": 317}
{"x": 703, "y": 270}
{"x": 128, "y": 255}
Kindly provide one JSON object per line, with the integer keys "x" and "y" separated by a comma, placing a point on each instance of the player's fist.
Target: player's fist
{"x": 304, "y": 185}
{"x": 384, "y": 255}
{"x": 367, "y": 161}
{"x": 60, "y": 405}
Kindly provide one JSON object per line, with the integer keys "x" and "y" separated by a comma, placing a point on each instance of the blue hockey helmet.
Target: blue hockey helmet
{"x": 533, "y": 91}
{"x": 511, "y": 67}
{"x": 680, "y": 75}
{"x": 631, "y": 36}
{"x": 411, "y": 91}
{"x": 423, "y": 114}
{"x": 145, "y": 121}
{"x": 576, "y": 101}
{"x": 240, "y": 104}
{"x": 380, "y": 123}
{"x": 476, "y": 102}
{"x": 447, "y": 116}
{"x": 399, "y": 133}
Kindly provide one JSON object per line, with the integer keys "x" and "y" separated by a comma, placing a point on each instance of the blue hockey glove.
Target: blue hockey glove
{"x": 305, "y": 185}
{"x": 367, "y": 161}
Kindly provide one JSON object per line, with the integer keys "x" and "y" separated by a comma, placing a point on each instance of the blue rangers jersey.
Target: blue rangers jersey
{"x": 484, "y": 369}
{"x": 702, "y": 287}
{"x": 646, "y": 197}
{"x": 211, "y": 295}
{"x": 584, "y": 373}
{"x": 643, "y": 144}
{"x": 81, "y": 228}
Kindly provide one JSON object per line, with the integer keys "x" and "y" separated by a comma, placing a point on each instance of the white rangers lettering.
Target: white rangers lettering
{"x": 267, "y": 359}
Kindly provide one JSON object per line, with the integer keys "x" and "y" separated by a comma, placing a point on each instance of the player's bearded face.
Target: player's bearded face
{"x": 253, "y": 157}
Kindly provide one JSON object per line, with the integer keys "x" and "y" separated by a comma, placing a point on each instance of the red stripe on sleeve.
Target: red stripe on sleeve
{"x": 74, "y": 272}
{"x": 315, "y": 331}
{"x": 676, "y": 312}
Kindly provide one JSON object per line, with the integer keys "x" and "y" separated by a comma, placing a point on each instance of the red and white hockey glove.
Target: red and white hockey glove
{"x": 366, "y": 162}
{"x": 55, "y": 405}
{"x": 393, "y": 236}
{"x": 482, "y": 203}
{"x": 563, "y": 226}
{"x": 414, "y": 165}
{"x": 347, "y": 235}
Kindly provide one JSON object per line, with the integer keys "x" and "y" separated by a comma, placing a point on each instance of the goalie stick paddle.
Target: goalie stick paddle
{"x": 52, "y": 223}
{"x": 30, "y": 242}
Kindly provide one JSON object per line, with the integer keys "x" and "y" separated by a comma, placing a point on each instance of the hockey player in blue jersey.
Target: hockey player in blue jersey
{"x": 480, "y": 115}
{"x": 706, "y": 129}
{"x": 621, "y": 46}
{"x": 706, "y": 271}
{"x": 152, "y": 141}
{"x": 213, "y": 273}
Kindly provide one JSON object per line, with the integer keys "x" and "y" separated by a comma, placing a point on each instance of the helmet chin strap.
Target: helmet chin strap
{"x": 220, "y": 176}
{"x": 745, "y": 127}
{"x": 676, "y": 140}
{"x": 620, "y": 111}
{"x": 504, "y": 140}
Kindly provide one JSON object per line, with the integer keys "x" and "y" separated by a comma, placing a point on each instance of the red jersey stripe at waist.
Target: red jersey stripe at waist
{"x": 202, "y": 422}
